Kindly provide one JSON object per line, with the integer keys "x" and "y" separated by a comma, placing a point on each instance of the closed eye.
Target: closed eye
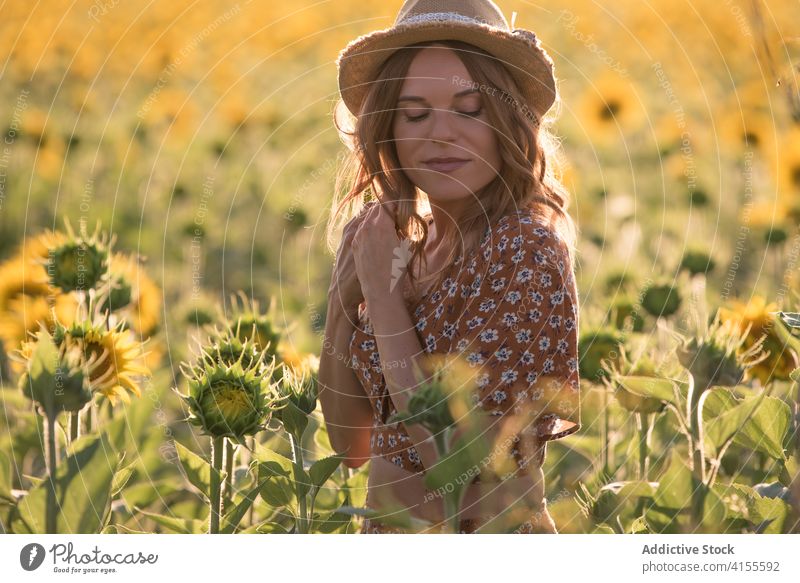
{"x": 417, "y": 118}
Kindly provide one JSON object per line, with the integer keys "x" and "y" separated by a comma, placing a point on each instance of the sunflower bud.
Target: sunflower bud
{"x": 430, "y": 405}
{"x": 696, "y": 261}
{"x": 78, "y": 263}
{"x": 596, "y": 347}
{"x": 229, "y": 400}
{"x": 714, "y": 358}
{"x": 661, "y": 300}
{"x": 250, "y": 323}
{"x": 54, "y": 377}
{"x": 298, "y": 387}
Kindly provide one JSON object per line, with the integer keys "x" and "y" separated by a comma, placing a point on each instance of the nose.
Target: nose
{"x": 442, "y": 127}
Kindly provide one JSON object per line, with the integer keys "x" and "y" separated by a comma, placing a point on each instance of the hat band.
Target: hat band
{"x": 444, "y": 17}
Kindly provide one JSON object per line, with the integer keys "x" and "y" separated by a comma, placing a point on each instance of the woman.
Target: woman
{"x": 467, "y": 249}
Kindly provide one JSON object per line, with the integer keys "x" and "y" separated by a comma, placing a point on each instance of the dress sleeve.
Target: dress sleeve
{"x": 519, "y": 331}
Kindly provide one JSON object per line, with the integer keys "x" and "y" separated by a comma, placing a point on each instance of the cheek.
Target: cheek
{"x": 487, "y": 148}
{"x": 404, "y": 144}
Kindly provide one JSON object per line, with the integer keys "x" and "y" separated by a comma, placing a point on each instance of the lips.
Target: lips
{"x": 446, "y": 164}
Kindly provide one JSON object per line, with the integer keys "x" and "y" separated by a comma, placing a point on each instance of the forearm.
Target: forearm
{"x": 345, "y": 405}
{"x": 400, "y": 348}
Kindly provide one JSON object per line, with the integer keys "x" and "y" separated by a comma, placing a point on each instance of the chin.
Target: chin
{"x": 448, "y": 189}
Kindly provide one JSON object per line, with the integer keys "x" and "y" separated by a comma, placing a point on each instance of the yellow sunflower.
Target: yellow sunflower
{"x": 17, "y": 277}
{"x": 787, "y": 166}
{"x": 742, "y": 129}
{"x": 757, "y": 314}
{"x": 114, "y": 359}
{"x": 610, "y": 110}
{"x": 25, "y": 313}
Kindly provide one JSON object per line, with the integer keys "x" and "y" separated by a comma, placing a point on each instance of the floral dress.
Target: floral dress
{"x": 511, "y": 310}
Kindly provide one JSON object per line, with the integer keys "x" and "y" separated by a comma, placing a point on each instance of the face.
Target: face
{"x": 444, "y": 141}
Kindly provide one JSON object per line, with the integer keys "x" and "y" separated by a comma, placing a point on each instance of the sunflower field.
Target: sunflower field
{"x": 166, "y": 174}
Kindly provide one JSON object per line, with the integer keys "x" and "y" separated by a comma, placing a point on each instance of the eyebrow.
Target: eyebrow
{"x": 415, "y": 98}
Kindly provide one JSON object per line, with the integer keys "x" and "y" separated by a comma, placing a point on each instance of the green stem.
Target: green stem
{"x": 605, "y": 432}
{"x": 452, "y": 504}
{"x": 229, "y": 455}
{"x": 645, "y": 429}
{"x": 51, "y": 461}
{"x": 74, "y": 425}
{"x": 217, "y": 446}
{"x": 302, "y": 521}
{"x": 696, "y": 398}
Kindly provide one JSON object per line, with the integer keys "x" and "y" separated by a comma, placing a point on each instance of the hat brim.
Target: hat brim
{"x": 519, "y": 50}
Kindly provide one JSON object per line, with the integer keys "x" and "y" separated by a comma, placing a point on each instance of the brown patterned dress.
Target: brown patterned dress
{"x": 511, "y": 310}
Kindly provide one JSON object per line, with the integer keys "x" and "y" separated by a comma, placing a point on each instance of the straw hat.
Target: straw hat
{"x": 477, "y": 22}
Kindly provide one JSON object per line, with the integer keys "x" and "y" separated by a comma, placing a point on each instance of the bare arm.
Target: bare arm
{"x": 345, "y": 405}
{"x": 398, "y": 346}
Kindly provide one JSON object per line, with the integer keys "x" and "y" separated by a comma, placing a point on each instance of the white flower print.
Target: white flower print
{"x": 508, "y": 376}
{"x": 524, "y": 336}
{"x": 499, "y": 396}
{"x": 524, "y": 275}
{"x": 510, "y": 318}
{"x": 503, "y": 354}
{"x": 498, "y": 284}
{"x": 513, "y": 296}
{"x": 544, "y": 343}
{"x": 489, "y": 335}
{"x": 430, "y": 343}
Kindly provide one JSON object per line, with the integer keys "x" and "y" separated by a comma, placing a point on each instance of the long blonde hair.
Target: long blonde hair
{"x": 371, "y": 171}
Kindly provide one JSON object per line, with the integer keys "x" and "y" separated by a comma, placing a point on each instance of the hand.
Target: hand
{"x": 381, "y": 258}
{"x": 345, "y": 289}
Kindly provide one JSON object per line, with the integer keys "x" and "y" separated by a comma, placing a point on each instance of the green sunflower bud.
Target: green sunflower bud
{"x": 696, "y": 261}
{"x": 661, "y": 300}
{"x": 429, "y": 406}
{"x": 78, "y": 263}
{"x": 298, "y": 386}
{"x": 716, "y": 358}
{"x": 249, "y": 322}
{"x": 118, "y": 294}
{"x": 230, "y": 401}
{"x": 625, "y": 309}
{"x": 594, "y": 348}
